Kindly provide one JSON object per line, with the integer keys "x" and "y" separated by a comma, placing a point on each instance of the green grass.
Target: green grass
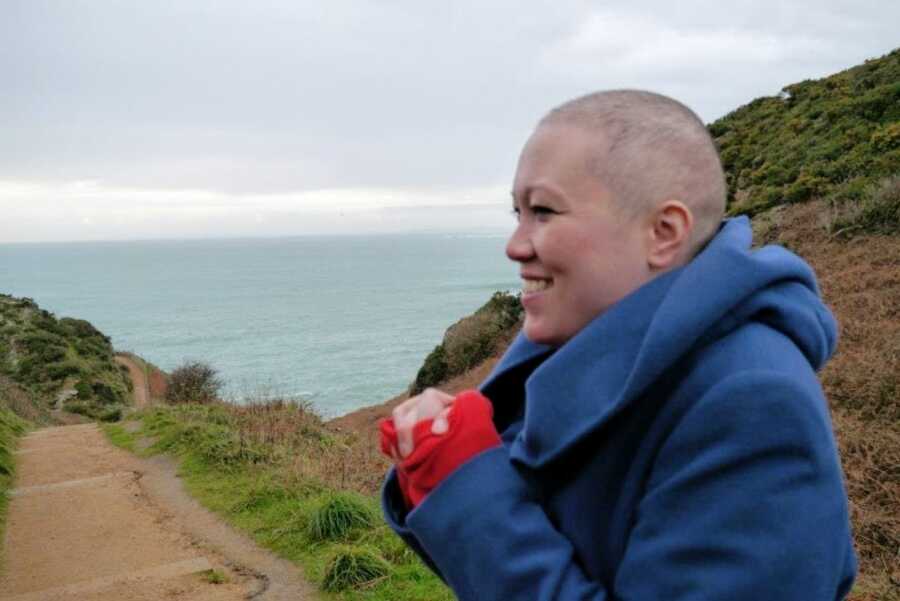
{"x": 215, "y": 577}
{"x": 11, "y": 428}
{"x": 337, "y": 537}
{"x": 120, "y": 437}
{"x": 822, "y": 138}
{"x": 338, "y": 515}
{"x": 354, "y": 567}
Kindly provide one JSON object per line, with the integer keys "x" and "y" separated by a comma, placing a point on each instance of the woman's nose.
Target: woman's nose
{"x": 519, "y": 247}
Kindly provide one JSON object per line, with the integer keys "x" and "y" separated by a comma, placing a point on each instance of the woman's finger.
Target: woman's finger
{"x": 427, "y": 405}
{"x": 441, "y": 423}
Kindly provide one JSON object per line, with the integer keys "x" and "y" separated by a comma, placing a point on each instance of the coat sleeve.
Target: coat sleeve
{"x": 744, "y": 502}
{"x": 393, "y": 506}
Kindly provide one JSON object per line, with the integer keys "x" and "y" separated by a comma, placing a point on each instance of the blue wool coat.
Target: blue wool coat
{"x": 679, "y": 447}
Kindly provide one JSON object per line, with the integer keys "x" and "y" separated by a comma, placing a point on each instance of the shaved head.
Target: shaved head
{"x": 650, "y": 149}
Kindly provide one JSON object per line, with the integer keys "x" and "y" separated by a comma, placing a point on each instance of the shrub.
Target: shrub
{"x": 90, "y": 347}
{"x": 354, "y": 567}
{"x": 434, "y": 370}
{"x": 60, "y": 371}
{"x": 878, "y": 211}
{"x": 105, "y": 393}
{"x": 337, "y": 515}
{"x": 84, "y": 390}
{"x": 110, "y": 414}
{"x": 816, "y": 136}
{"x": 193, "y": 382}
{"x": 470, "y": 341}
{"x": 82, "y": 328}
{"x": 81, "y": 408}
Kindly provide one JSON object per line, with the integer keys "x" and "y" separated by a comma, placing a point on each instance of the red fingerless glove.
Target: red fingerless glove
{"x": 435, "y": 456}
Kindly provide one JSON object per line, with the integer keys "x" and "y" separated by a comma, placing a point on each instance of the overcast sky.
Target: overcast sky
{"x": 188, "y": 118}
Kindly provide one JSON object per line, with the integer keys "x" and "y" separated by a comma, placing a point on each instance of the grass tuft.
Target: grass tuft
{"x": 354, "y": 567}
{"x": 215, "y": 577}
{"x": 337, "y": 515}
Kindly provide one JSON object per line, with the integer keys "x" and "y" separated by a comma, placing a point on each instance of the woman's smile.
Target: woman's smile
{"x": 531, "y": 286}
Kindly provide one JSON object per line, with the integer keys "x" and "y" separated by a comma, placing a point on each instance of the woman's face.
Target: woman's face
{"x": 577, "y": 254}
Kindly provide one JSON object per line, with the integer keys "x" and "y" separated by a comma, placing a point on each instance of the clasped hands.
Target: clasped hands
{"x": 432, "y": 434}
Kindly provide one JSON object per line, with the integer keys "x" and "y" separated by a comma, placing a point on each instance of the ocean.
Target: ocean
{"x": 344, "y": 321}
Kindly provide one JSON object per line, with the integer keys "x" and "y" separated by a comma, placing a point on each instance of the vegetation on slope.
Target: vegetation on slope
{"x": 11, "y": 427}
{"x": 60, "y": 359}
{"x": 833, "y": 137}
{"x": 471, "y": 340}
{"x": 23, "y": 403}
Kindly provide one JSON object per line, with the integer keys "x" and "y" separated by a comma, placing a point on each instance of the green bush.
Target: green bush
{"x": 61, "y": 371}
{"x": 878, "y": 211}
{"x": 337, "y": 515}
{"x": 470, "y": 341}
{"x": 354, "y": 567}
{"x": 82, "y": 329}
{"x": 433, "y": 371}
{"x": 105, "y": 393}
{"x": 84, "y": 390}
{"x": 815, "y": 137}
{"x": 81, "y": 408}
{"x": 193, "y": 382}
{"x": 110, "y": 414}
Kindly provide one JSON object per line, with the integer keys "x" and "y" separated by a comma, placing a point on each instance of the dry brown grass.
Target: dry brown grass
{"x": 860, "y": 281}
{"x": 22, "y": 403}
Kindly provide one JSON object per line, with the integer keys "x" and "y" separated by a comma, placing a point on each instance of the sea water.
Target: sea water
{"x": 344, "y": 321}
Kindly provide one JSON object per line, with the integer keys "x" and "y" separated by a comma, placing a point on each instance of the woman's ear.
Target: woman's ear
{"x": 670, "y": 236}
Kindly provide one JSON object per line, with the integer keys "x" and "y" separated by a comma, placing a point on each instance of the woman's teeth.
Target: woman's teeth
{"x": 529, "y": 286}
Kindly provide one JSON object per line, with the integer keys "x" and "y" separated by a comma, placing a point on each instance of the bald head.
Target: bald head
{"x": 650, "y": 149}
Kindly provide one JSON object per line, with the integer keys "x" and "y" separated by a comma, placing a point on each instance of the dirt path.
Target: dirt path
{"x": 90, "y": 522}
{"x": 139, "y": 379}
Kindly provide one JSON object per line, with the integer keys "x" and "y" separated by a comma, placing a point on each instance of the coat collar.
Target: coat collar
{"x": 578, "y": 387}
{"x": 582, "y": 384}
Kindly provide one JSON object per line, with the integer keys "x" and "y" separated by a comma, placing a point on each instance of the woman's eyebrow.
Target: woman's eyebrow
{"x": 525, "y": 194}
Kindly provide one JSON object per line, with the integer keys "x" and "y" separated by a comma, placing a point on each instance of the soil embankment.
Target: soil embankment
{"x": 141, "y": 387}
{"x": 88, "y": 521}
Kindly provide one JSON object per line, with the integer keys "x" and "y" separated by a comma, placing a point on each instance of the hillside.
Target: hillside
{"x": 48, "y": 363}
{"x": 829, "y": 138}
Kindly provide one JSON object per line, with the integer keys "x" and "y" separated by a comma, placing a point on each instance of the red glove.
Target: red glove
{"x": 435, "y": 456}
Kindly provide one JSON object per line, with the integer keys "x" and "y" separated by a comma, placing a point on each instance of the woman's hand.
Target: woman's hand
{"x": 425, "y": 453}
{"x": 430, "y": 404}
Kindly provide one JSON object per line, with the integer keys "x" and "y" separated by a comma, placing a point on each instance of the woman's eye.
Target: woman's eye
{"x": 542, "y": 211}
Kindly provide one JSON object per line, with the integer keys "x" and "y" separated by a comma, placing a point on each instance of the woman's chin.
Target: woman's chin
{"x": 538, "y": 333}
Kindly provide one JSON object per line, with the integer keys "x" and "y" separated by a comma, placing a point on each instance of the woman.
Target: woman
{"x": 658, "y": 429}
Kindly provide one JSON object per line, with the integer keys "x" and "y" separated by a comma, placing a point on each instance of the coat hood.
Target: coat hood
{"x": 621, "y": 353}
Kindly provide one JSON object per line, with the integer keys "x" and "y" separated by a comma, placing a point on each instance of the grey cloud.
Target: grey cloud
{"x": 260, "y": 97}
